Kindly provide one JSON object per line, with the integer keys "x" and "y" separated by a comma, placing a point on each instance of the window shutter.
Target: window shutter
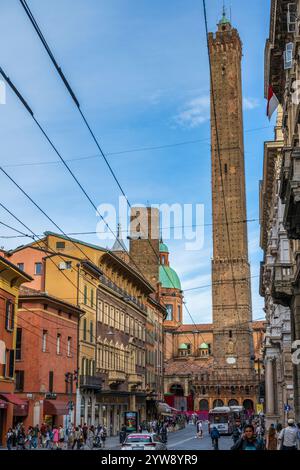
{"x": 11, "y": 362}
{"x": 7, "y": 314}
{"x": 288, "y": 56}
{"x": 12, "y": 316}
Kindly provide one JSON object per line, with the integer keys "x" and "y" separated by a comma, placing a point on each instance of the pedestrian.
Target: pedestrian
{"x": 77, "y": 436}
{"x": 61, "y": 441}
{"x": 9, "y": 439}
{"x": 298, "y": 428}
{"x": 271, "y": 441}
{"x": 248, "y": 440}
{"x": 90, "y": 437}
{"x": 236, "y": 433}
{"x": 288, "y": 437}
{"x": 103, "y": 435}
{"x": 199, "y": 429}
{"x": 215, "y": 436}
{"x": 84, "y": 432}
{"x": 55, "y": 438}
{"x": 35, "y": 433}
{"x": 70, "y": 436}
{"x": 21, "y": 438}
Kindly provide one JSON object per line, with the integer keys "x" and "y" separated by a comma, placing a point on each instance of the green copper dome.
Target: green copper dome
{"x": 224, "y": 20}
{"x": 163, "y": 248}
{"x": 168, "y": 278}
{"x": 183, "y": 346}
{"x": 203, "y": 346}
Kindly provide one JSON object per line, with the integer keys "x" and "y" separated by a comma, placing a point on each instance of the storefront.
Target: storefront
{"x": 20, "y": 407}
{"x": 3, "y": 412}
{"x": 56, "y": 412}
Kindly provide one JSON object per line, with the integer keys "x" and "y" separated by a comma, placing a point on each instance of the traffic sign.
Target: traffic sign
{"x": 287, "y": 408}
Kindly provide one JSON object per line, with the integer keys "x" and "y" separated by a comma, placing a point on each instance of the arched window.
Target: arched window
{"x": 248, "y": 405}
{"x": 177, "y": 390}
{"x": 218, "y": 403}
{"x": 204, "y": 405}
{"x": 233, "y": 403}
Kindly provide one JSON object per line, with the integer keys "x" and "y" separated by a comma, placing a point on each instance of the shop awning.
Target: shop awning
{"x": 56, "y": 408}
{"x": 164, "y": 409}
{"x": 20, "y": 406}
{"x": 3, "y": 404}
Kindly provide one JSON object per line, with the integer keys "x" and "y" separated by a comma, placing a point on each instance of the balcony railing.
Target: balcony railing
{"x": 135, "y": 379}
{"x": 115, "y": 376}
{"x": 91, "y": 382}
{"x": 124, "y": 293}
{"x": 282, "y": 283}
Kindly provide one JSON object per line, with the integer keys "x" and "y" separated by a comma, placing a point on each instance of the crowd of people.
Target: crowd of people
{"x": 254, "y": 436}
{"x": 56, "y": 437}
{"x": 81, "y": 437}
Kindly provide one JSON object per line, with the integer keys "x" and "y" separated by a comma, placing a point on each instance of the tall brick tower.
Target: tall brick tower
{"x": 232, "y": 312}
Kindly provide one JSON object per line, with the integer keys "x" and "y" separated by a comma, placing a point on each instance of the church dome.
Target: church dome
{"x": 183, "y": 347}
{"x": 163, "y": 248}
{"x": 169, "y": 278}
{"x": 203, "y": 346}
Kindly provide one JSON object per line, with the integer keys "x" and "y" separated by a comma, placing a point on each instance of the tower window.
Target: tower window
{"x": 230, "y": 333}
{"x": 225, "y": 168}
{"x": 169, "y": 309}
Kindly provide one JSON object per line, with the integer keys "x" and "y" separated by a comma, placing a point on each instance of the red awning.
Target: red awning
{"x": 56, "y": 407}
{"x": 20, "y": 406}
{"x": 3, "y": 404}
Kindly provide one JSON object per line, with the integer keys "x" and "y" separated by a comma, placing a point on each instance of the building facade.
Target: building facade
{"x": 276, "y": 276}
{"x": 191, "y": 381}
{"x": 11, "y": 407}
{"x": 282, "y": 69}
{"x": 120, "y": 312}
{"x": 46, "y": 337}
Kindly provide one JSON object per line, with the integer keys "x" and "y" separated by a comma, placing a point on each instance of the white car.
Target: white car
{"x": 143, "y": 441}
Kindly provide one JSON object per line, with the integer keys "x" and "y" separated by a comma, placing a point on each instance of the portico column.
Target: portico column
{"x": 132, "y": 402}
{"x": 93, "y": 409}
{"x": 270, "y": 399}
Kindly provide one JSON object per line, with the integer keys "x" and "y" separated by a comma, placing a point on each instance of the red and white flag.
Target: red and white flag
{"x": 273, "y": 102}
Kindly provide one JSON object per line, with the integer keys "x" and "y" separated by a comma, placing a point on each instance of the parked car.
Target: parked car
{"x": 143, "y": 441}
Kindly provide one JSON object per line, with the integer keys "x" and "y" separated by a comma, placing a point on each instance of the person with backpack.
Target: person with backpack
{"x": 215, "y": 436}
{"x": 21, "y": 438}
{"x": 248, "y": 440}
{"x": 288, "y": 437}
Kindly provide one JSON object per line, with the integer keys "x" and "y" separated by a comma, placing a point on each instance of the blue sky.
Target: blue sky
{"x": 140, "y": 71}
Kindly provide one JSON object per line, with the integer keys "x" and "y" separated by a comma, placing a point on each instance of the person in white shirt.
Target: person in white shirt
{"x": 289, "y": 438}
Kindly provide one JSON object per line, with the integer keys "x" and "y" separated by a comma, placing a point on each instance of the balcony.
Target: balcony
{"x": 135, "y": 379}
{"x": 91, "y": 382}
{"x": 291, "y": 219}
{"x": 282, "y": 283}
{"x": 115, "y": 376}
{"x": 275, "y": 333}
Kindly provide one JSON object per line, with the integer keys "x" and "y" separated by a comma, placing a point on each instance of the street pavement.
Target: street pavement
{"x": 185, "y": 439}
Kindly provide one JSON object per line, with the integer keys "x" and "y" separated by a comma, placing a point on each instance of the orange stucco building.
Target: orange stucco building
{"x": 11, "y": 407}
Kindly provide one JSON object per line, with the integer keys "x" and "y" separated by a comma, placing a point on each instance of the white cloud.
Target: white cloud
{"x": 194, "y": 113}
{"x": 250, "y": 103}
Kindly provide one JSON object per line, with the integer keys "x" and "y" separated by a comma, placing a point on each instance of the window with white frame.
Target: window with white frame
{"x": 69, "y": 346}
{"x": 44, "y": 340}
{"x": 58, "y": 343}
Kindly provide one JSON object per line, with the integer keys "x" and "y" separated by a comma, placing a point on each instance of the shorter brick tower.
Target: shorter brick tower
{"x": 144, "y": 242}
